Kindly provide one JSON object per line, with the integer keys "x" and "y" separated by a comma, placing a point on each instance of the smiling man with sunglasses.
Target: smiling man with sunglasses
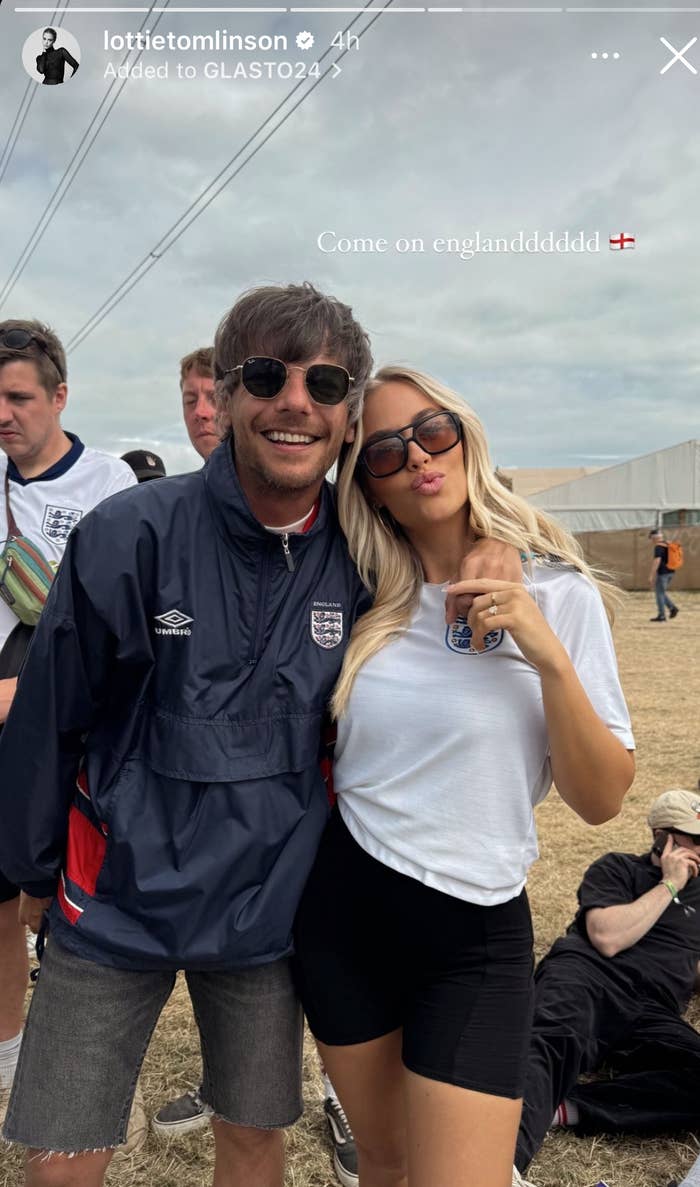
{"x": 175, "y": 800}
{"x": 288, "y": 426}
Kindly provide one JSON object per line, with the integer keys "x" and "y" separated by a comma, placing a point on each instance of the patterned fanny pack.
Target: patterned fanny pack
{"x": 25, "y": 573}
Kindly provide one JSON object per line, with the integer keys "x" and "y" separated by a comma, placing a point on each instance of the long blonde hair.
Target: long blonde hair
{"x": 388, "y": 564}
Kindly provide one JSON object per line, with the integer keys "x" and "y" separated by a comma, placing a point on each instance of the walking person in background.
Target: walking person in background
{"x": 660, "y": 577}
{"x": 413, "y": 937}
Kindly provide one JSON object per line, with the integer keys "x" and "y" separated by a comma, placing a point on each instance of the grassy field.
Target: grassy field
{"x": 661, "y": 678}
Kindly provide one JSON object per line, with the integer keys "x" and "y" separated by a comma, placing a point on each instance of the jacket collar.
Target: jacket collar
{"x": 230, "y": 509}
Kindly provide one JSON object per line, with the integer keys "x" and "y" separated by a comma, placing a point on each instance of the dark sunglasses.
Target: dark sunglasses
{"x": 436, "y": 434}
{"x": 265, "y": 377}
{"x": 21, "y": 339}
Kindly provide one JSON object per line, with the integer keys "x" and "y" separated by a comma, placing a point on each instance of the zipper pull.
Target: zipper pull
{"x": 287, "y": 553}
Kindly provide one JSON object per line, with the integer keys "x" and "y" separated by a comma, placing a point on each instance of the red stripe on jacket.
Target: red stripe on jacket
{"x": 85, "y": 851}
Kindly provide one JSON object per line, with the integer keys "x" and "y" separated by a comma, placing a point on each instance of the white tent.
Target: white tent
{"x": 527, "y": 481}
{"x": 634, "y": 494}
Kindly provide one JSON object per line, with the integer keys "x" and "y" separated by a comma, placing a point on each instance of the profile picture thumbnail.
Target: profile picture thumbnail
{"x": 51, "y": 56}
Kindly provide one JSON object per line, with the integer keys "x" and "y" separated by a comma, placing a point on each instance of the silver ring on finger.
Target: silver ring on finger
{"x": 493, "y": 609}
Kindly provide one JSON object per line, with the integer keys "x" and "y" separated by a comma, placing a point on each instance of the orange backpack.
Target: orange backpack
{"x": 675, "y": 555}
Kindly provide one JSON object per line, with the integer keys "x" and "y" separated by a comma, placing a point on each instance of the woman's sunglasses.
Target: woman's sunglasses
{"x": 265, "y": 377}
{"x": 436, "y": 434}
{"x": 21, "y": 339}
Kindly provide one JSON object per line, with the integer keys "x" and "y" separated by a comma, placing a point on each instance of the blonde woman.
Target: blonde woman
{"x": 414, "y": 938}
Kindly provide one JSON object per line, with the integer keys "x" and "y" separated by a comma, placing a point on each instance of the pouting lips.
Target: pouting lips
{"x": 428, "y": 478}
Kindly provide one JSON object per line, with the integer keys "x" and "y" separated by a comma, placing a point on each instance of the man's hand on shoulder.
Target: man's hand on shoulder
{"x": 487, "y": 558}
{"x": 31, "y": 911}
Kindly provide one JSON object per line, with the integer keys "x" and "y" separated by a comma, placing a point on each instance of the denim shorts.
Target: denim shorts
{"x": 88, "y": 1029}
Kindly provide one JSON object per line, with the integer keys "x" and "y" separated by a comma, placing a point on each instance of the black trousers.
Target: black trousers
{"x": 580, "y": 1022}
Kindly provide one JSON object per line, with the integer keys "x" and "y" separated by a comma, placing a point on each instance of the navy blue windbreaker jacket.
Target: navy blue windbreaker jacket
{"x": 159, "y": 768}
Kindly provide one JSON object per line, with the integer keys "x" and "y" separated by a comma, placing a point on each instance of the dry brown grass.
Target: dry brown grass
{"x": 661, "y": 677}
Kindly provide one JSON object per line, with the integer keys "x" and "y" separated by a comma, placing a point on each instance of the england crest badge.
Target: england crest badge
{"x": 59, "y": 522}
{"x": 326, "y": 627}
{"x": 459, "y": 638}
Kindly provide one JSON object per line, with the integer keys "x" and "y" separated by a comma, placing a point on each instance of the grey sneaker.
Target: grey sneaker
{"x": 182, "y": 1115}
{"x": 344, "y": 1152}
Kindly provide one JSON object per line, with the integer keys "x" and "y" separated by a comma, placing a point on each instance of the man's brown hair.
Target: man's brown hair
{"x": 294, "y": 323}
{"x": 201, "y": 361}
{"x": 46, "y": 352}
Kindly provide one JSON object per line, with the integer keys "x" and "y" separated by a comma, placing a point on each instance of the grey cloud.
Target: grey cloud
{"x": 433, "y": 129}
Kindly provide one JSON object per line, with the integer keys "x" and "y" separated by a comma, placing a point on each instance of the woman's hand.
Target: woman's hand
{"x": 487, "y": 559}
{"x": 590, "y": 766}
{"x": 505, "y": 605}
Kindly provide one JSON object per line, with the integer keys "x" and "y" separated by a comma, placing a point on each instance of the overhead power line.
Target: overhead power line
{"x": 86, "y": 142}
{"x": 24, "y": 105}
{"x": 212, "y": 191}
{"x": 22, "y": 112}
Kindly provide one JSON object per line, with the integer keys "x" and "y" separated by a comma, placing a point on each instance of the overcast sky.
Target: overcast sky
{"x": 440, "y": 125}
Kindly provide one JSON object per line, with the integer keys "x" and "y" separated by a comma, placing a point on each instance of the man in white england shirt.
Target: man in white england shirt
{"x": 51, "y": 480}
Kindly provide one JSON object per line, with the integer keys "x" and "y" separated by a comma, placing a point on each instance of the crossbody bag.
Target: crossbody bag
{"x": 25, "y": 573}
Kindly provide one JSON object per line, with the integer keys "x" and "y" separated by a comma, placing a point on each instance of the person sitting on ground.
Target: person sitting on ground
{"x": 613, "y": 991}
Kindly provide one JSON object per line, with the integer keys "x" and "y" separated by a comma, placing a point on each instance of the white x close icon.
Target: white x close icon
{"x": 678, "y": 55}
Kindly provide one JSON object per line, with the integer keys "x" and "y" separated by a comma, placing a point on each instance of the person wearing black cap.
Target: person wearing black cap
{"x": 145, "y": 464}
{"x": 613, "y": 991}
